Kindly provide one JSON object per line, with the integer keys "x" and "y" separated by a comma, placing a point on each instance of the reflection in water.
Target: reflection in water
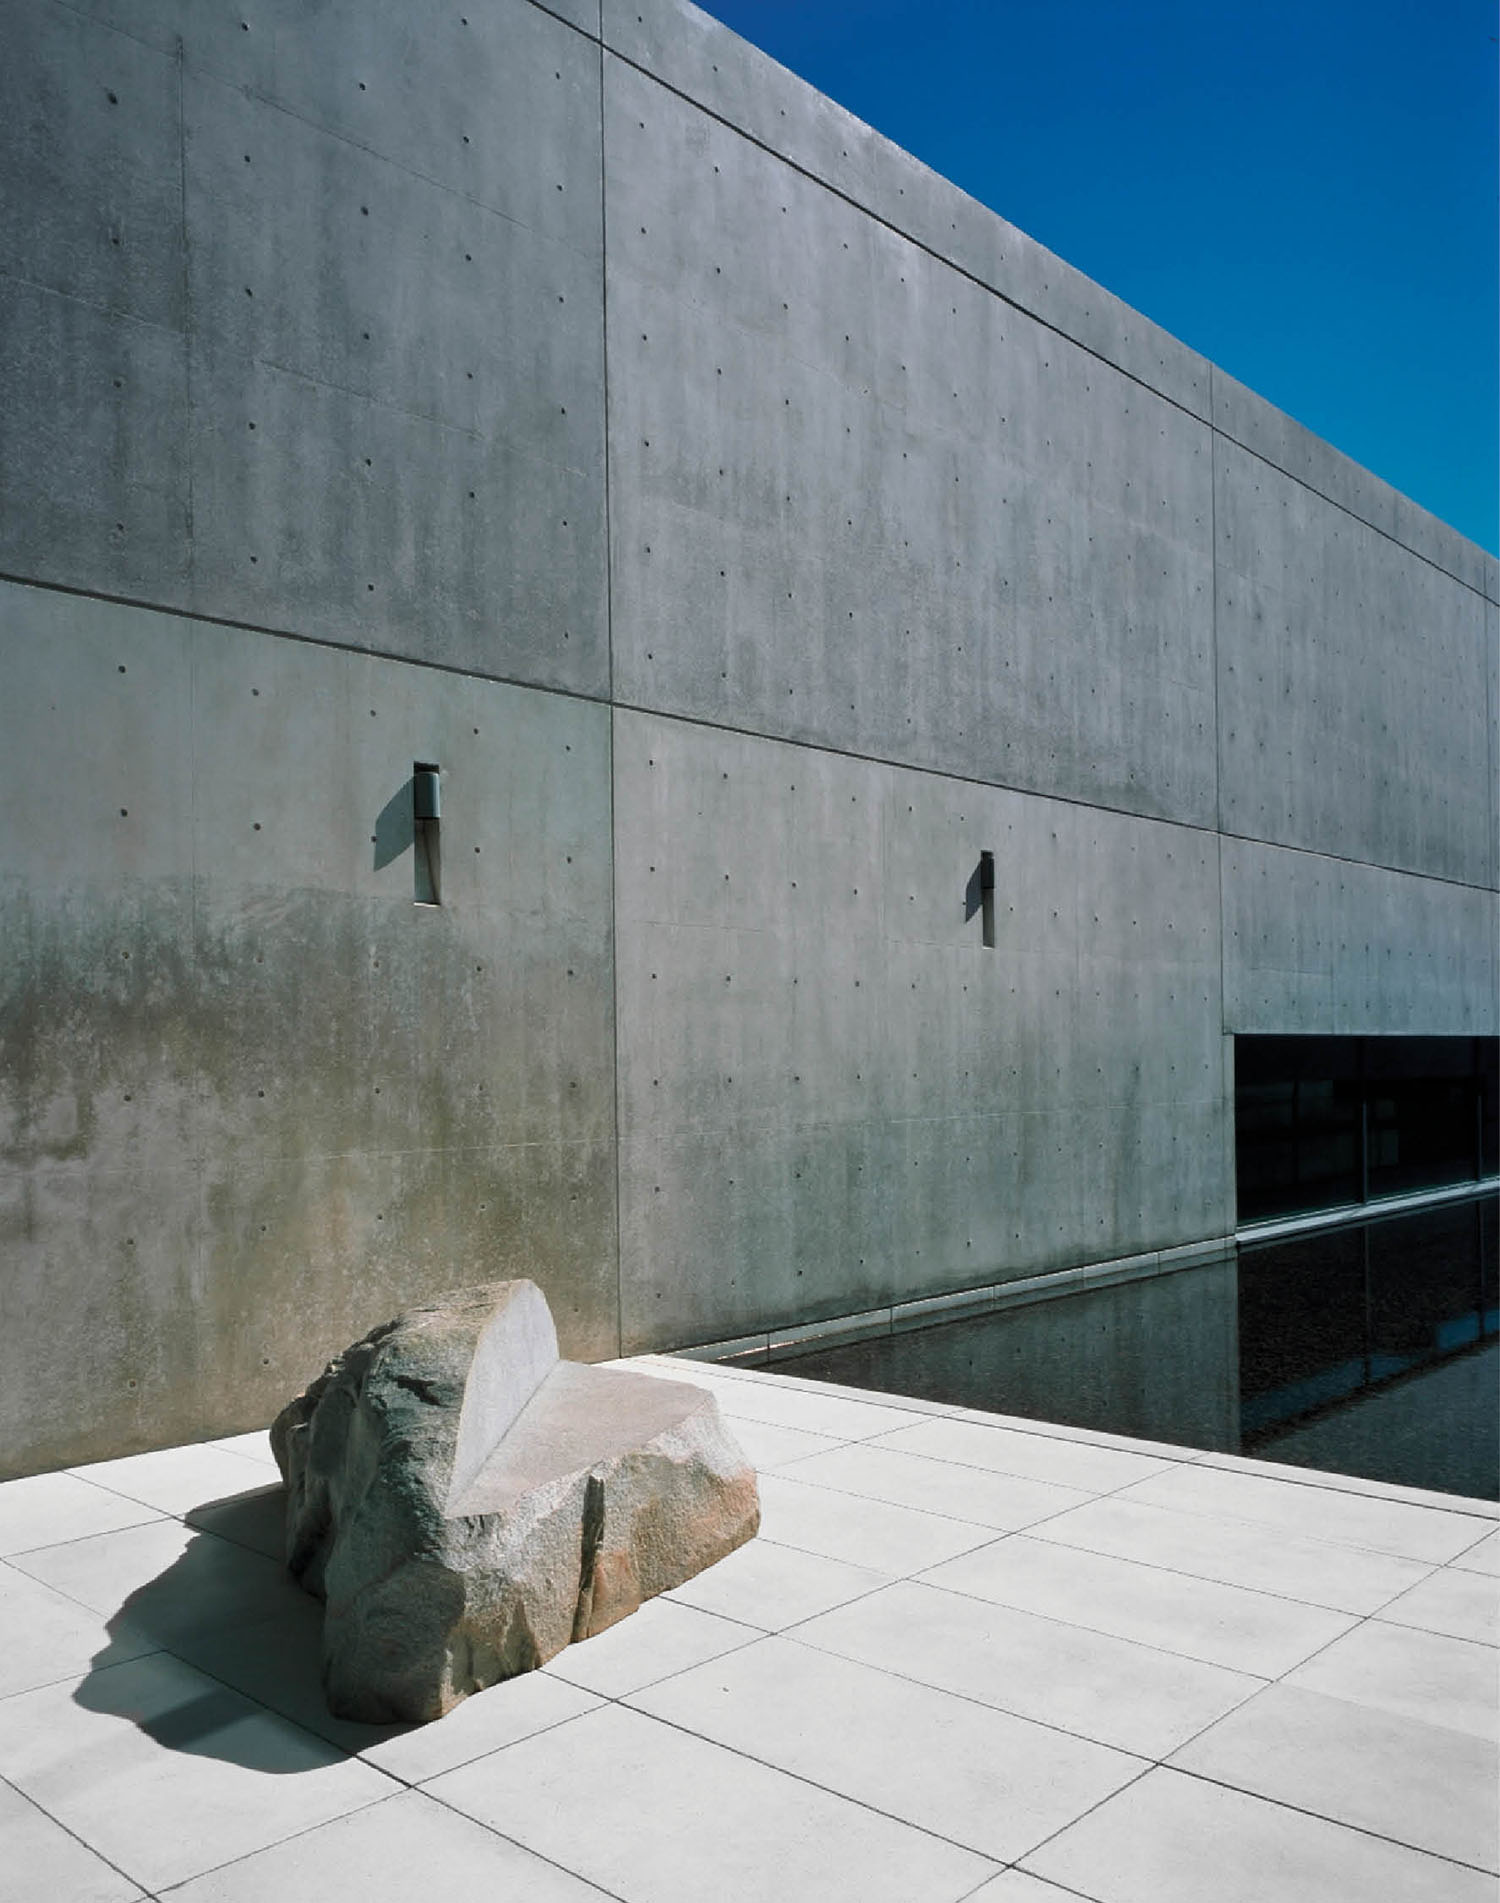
{"x": 1375, "y": 1349}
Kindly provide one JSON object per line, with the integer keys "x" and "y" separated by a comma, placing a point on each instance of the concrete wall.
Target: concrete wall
{"x": 250, "y": 1091}
{"x": 755, "y": 529}
{"x": 832, "y": 1096}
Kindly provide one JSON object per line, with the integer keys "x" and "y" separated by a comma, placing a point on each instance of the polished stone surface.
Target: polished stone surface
{"x": 968, "y": 1659}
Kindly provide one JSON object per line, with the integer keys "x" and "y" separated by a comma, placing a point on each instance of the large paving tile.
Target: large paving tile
{"x": 654, "y": 1815}
{"x": 48, "y": 1636}
{"x": 784, "y": 1375}
{"x": 1177, "y": 1839}
{"x": 1015, "y": 1886}
{"x": 1465, "y": 1605}
{"x": 1236, "y": 1553}
{"x": 965, "y": 1771}
{"x": 1199, "y": 1618}
{"x": 278, "y": 1662}
{"x": 167, "y": 1773}
{"x": 1064, "y": 1463}
{"x": 661, "y": 1638}
{"x": 45, "y": 1509}
{"x": 1483, "y": 1556}
{"x": 1433, "y": 1789}
{"x": 782, "y": 1405}
{"x": 765, "y": 1445}
{"x": 880, "y": 1472}
{"x": 1422, "y": 1675}
{"x": 407, "y": 1846}
{"x": 256, "y": 1518}
{"x": 166, "y": 1581}
{"x": 488, "y": 1721}
{"x": 871, "y": 1533}
{"x": 256, "y": 1447}
{"x": 1354, "y": 1483}
{"x": 1098, "y": 1687}
{"x": 1169, "y": 1451}
{"x": 38, "y": 1858}
{"x": 276, "y": 1658}
{"x": 769, "y": 1586}
{"x": 1325, "y": 1513}
{"x": 176, "y": 1479}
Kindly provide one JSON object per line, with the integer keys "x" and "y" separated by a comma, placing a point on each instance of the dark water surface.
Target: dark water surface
{"x": 1372, "y": 1349}
{"x": 1375, "y": 1350}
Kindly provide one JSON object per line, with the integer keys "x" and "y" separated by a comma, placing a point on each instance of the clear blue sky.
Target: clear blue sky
{"x": 1304, "y": 190}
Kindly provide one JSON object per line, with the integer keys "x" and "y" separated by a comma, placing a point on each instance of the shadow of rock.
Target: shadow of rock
{"x": 226, "y": 1607}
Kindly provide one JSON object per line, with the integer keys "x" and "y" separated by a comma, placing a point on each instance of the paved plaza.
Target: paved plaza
{"x": 967, "y": 1658}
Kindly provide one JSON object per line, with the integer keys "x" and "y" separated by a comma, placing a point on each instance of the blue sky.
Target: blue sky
{"x": 1304, "y": 190}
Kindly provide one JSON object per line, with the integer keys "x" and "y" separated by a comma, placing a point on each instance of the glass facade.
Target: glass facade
{"x": 1321, "y": 1122}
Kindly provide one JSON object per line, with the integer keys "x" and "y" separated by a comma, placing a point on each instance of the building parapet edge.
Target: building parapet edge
{"x": 697, "y": 56}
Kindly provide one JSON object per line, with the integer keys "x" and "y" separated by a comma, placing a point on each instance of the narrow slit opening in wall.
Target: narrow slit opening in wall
{"x": 987, "y": 899}
{"x": 427, "y": 815}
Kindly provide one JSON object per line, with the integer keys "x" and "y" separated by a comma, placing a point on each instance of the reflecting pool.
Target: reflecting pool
{"x": 1375, "y": 1349}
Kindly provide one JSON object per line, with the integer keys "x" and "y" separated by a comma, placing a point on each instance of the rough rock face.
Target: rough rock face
{"x": 465, "y": 1503}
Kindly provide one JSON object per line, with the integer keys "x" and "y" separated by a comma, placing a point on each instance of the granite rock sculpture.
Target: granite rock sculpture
{"x": 466, "y": 1503}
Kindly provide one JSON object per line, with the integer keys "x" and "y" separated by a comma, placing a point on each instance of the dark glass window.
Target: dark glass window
{"x": 1325, "y": 1121}
{"x": 1324, "y": 1318}
{"x": 1302, "y": 1327}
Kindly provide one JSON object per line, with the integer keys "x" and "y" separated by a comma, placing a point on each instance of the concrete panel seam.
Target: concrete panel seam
{"x": 1343, "y": 859}
{"x": 609, "y": 675}
{"x": 1353, "y": 514}
{"x": 180, "y": 613}
{"x": 808, "y": 746}
{"x": 115, "y": 315}
{"x": 1013, "y": 303}
{"x": 905, "y": 766}
{"x": 917, "y": 244}
{"x": 189, "y": 327}
{"x": 1213, "y": 624}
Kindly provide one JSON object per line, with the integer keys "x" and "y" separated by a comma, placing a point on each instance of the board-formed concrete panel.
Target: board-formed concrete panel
{"x": 94, "y": 486}
{"x": 695, "y": 55}
{"x": 452, "y": 95}
{"x": 833, "y": 1095}
{"x": 302, "y": 324}
{"x": 220, "y": 996}
{"x": 1351, "y": 684}
{"x": 90, "y": 152}
{"x": 1319, "y": 946}
{"x": 1257, "y": 426}
{"x": 398, "y": 391}
{"x": 857, "y": 500}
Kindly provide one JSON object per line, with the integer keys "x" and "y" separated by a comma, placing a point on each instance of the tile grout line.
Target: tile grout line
{"x": 68, "y": 1830}
{"x": 799, "y": 1777}
{"x": 525, "y": 1848}
{"x": 1339, "y": 1823}
{"x": 1024, "y": 1717}
{"x": 1003, "y": 1533}
{"x": 214, "y": 1869}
